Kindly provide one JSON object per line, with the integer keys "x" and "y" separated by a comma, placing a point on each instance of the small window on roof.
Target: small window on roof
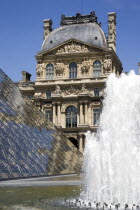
{"x": 96, "y": 37}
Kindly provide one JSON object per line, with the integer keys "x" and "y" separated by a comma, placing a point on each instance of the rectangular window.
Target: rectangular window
{"x": 49, "y": 115}
{"x": 97, "y": 73}
{"x": 96, "y": 116}
{"x": 48, "y": 94}
{"x": 96, "y": 91}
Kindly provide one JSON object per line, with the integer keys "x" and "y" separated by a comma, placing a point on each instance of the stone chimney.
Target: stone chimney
{"x": 25, "y": 76}
{"x": 112, "y": 30}
{"x": 47, "y": 27}
{"x": 139, "y": 68}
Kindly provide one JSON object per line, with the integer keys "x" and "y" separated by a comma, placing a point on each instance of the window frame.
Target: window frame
{"x": 96, "y": 92}
{"x": 71, "y": 117}
{"x": 73, "y": 70}
{"x": 50, "y": 71}
{"x": 96, "y": 116}
{"x": 97, "y": 69}
{"x": 48, "y": 94}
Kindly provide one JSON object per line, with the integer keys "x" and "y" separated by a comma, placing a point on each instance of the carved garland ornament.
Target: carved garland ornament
{"x": 59, "y": 68}
{"x": 73, "y": 48}
{"x": 72, "y": 91}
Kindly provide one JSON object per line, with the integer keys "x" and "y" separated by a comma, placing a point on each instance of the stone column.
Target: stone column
{"x": 54, "y": 113}
{"x": 81, "y": 143}
{"x": 112, "y": 30}
{"x": 59, "y": 114}
{"x": 86, "y": 113}
{"x": 90, "y": 115}
{"x": 81, "y": 113}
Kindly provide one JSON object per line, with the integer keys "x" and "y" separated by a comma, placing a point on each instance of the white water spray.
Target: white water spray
{"x": 112, "y": 157}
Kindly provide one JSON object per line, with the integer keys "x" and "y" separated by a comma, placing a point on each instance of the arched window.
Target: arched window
{"x": 50, "y": 72}
{"x": 71, "y": 117}
{"x": 97, "y": 69}
{"x": 73, "y": 70}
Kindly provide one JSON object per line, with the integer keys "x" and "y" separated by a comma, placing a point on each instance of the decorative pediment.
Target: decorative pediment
{"x": 72, "y": 48}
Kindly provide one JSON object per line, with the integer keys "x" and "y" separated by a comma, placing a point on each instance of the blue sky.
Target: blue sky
{"x": 21, "y": 29}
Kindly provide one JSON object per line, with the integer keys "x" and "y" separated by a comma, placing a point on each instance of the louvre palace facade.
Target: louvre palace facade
{"x": 72, "y": 67}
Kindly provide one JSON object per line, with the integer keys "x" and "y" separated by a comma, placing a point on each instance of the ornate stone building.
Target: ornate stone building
{"x": 72, "y": 67}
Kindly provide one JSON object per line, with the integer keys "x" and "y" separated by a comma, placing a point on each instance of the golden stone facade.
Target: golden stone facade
{"x": 71, "y": 73}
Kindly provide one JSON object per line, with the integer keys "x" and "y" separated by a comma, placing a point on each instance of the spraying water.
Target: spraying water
{"x": 112, "y": 156}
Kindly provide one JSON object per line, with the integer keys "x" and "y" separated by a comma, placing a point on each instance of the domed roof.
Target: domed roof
{"x": 90, "y": 33}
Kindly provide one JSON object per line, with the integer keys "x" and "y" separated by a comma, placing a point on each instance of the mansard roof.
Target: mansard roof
{"x": 82, "y": 28}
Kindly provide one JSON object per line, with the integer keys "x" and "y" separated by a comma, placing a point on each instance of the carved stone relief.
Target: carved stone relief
{"x": 72, "y": 48}
{"x": 112, "y": 30}
{"x": 95, "y": 103}
{"x": 84, "y": 90}
{"x": 72, "y": 91}
{"x": 102, "y": 92}
{"x": 57, "y": 90}
{"x": 59, "y": 68}
{"x": 107, "y": 64}
{"x": 85, "y": 67}
{"x": 39, "y": 70}
{"x": 39, "y": 95}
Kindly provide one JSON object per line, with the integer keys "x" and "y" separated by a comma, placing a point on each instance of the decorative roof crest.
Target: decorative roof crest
{"x": 91, "y": 18}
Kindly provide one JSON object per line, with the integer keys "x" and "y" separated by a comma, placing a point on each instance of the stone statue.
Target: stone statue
{"x": 83, "y": 89}
{"x": 57, "y": 90}
{"x": 39, "y": 70}
{"x": 85, "y": 67}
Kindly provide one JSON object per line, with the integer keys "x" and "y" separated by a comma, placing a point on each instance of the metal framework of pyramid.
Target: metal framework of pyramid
{"x": 29, "y": 144}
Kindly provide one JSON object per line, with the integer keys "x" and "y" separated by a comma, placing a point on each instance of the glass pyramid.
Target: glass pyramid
{"x": 29, "y": 144}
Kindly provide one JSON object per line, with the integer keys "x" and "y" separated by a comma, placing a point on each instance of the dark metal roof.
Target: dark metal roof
{"x": 90, "y": 33}
{"x": 91, "y": 18}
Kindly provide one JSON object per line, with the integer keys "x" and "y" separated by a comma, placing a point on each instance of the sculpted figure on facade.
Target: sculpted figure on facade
{"x": 85, "y": 67}
{"x": 73, "y": 48}
{"x": 112, "y": 31}
{"x": 39, "y": 70}
{"x": 83, "y": 90}
{"x": 37, "y": 94}
{"x": 107, "y": 64}
{"x": 102, "y": 92}
{"x": 59, "y": 68}
{"x": 57, "y": 90}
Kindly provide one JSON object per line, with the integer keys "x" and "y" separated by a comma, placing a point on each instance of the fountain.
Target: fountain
{"x": 112, "y": 156}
